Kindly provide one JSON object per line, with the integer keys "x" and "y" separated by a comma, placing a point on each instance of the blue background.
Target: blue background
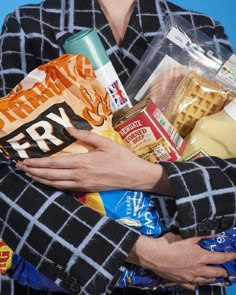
{"x": 223, "y": 11}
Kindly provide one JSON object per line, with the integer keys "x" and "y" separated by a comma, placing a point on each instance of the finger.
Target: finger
{"x": 19, "y": 162}
{"x": 196, "y": 240}
{"x": 62, "y": 162}
{"x": 89, "y": 138}
{"x": 220, "y": 257}
{"x": 50, "y": 174}
{"x": 188, "y": 286}
{"x": 210, "y": 272}
{"x": 61, "y": 185}
{"x": 202, "y": 280}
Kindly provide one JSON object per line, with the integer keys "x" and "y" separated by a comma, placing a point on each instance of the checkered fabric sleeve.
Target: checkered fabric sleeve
{"x": 74, "y": 246}
{"x": 205, "y": 194}
{"x": 17, "y": 57}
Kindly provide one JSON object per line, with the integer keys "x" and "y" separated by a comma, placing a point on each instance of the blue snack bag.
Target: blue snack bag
{"x": 225, "y": 242}
{"x": 27, "y": 275}
{"x": 133, "y": 208}
{"x": 137, "y": 276}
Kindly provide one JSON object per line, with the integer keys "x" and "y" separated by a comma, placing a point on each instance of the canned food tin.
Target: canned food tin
{"x": 147, "y": 132}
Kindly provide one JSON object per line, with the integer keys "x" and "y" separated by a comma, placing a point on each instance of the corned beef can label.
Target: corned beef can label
{"x": 147, "y": 132}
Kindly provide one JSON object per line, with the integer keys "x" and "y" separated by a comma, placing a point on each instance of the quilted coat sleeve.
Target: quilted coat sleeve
{"x": 205, "y": 194}
{"x": 69, "y": 243}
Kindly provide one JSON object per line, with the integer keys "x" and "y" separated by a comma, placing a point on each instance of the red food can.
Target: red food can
{"x": 148, "y": 133}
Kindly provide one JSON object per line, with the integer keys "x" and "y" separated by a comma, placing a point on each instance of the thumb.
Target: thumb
{"x": 90, "y": 138}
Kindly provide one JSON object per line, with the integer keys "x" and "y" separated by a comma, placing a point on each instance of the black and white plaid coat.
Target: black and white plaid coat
{"x": 50, "y": 229}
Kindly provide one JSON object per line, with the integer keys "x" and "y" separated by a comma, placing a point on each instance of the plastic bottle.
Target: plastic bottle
{"x": 88, "y": 43}
{"x": 213, "y": 135}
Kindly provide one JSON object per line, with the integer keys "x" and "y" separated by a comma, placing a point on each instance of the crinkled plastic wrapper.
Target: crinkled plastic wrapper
{"x": 60, "y": 94}
{"x": 132, "y": 208}
{"x": 185, "y": 74}
{"x": 5, "y": 257}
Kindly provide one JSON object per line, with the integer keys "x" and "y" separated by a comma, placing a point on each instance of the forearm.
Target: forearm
{"x": 150, "y": 253}
{"x": 149, "y": 177}
{"x": 139, "y": 251}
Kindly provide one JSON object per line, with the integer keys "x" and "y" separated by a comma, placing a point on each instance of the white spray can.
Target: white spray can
{"x": 89, "y": 44}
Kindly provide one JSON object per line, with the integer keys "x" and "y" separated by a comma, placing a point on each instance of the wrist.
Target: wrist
{"x": 152, "y": 178}
{"x": 145, "y": 252}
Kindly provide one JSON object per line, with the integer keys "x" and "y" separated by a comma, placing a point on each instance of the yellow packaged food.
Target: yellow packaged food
{"x": 213, "y": 135}
{"x": 194, "y": 98}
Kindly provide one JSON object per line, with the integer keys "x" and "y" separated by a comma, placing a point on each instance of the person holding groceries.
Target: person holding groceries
{"x": 34, "y": 34}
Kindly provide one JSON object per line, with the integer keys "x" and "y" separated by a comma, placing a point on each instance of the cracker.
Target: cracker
{"x": 196, "y": 97}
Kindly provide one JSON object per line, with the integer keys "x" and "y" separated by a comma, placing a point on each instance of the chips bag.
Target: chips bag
{"x": 5, "y": 257}
{"x": 60, "y": 94}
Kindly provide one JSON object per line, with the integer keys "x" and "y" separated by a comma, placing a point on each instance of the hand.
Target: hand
{"x": 108, "y": 166}
{"x": 180, "y": 261}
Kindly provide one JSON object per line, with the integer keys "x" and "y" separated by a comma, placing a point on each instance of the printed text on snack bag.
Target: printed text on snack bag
{"x": 21, "y": 106}
{"x": 45, "y": 135}
{"x": 96, "y": 107}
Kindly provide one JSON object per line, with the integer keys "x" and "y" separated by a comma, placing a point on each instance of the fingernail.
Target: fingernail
{"x": 19, "y": 164}
{"x": 29, "y": 175}
{"x": 71, "y": 129}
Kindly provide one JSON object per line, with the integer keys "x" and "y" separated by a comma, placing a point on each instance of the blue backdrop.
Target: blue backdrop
{"x": 223, "y": 11}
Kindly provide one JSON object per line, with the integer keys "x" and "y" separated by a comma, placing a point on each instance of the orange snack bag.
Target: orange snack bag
{"x": 60, "y": 94}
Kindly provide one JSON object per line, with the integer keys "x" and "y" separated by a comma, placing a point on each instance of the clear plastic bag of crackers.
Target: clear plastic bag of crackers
{"x": 185, "y": 75}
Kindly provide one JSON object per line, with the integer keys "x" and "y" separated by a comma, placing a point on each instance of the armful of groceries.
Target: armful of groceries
{"x": 65, "y": 93}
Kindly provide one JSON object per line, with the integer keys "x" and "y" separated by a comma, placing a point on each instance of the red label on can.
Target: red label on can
{"x": 149, "y": 134}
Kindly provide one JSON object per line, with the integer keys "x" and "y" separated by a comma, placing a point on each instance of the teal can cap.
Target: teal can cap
{"x": 87, "y": 43}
